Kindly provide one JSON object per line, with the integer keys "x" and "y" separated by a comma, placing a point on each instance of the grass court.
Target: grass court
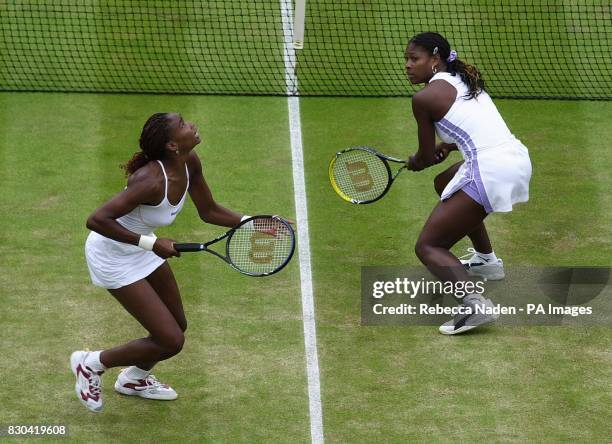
{"x": 241, "y": 376}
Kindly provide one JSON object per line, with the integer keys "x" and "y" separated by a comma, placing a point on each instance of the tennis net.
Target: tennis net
{"x": 525, "y": 48}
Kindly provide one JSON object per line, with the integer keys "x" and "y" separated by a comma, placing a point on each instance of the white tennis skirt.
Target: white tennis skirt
{"x": 114, "y": 264}
{"x": 500, "y": 176}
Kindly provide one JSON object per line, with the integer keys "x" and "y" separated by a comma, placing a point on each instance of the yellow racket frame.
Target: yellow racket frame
{"x": 384, "y": 158}
{"x": 332, "y": 180}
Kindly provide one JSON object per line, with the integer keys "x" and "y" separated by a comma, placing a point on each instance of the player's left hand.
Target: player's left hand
{"x": 441, "y": 154}
{"x": 272, "y": 230}
{"x": 292, "y": 222}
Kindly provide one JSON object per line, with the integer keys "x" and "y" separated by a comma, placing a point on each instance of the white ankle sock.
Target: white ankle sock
{"x": 93, "y": 361}
{"x": 134, "y": 372}
{"x": 488, "y": 256}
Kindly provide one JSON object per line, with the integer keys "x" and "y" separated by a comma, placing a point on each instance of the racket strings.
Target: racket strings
{"x": 261, "y": 245}
{"x": 360, "y": 175}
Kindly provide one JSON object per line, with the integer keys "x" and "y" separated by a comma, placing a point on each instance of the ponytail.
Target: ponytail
{"x": 470, "y": 75}
{"x": 155, "y": 134}
{"x": 138, "y": 160}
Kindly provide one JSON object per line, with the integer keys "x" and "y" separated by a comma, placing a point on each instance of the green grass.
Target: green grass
{"x": 241, "y": 376}
{"x": 66, "y": 164}
{"x": 503, "y": 384}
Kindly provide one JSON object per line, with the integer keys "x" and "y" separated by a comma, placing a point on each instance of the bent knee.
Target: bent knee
{"x": 182, "y": 323}
{"x": 421, "y": 248}
{"x": 172, "y": 343}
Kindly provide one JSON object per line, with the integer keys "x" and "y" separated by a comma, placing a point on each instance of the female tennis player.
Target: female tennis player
{"x": 493, "y": 176}
{"x": 126, "y": 258}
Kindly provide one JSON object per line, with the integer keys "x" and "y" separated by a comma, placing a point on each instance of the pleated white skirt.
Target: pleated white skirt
{"x": 114, "y": 264}
{"x": 500, "y": 174}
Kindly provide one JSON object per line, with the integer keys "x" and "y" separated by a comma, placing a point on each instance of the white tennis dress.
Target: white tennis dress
{"x": 114, "y": 264}
{"x": 497, "y": 168}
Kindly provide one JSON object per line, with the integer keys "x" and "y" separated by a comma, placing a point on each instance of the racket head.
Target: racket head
{"x": 360, "y": 175}
{"x": 260, "y": 245}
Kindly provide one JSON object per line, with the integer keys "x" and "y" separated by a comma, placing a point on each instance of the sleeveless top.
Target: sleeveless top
{"x": 497, "y": 169}
{"x": 144, "y": 219}
{"x": 471, "y": 124}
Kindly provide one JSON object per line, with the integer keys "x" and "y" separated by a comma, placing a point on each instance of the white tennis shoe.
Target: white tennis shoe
{"x": 88, "y": 384}
{"x": 476, "y": 265}
{"x": 477, "y": 312}
{"x": 149, "y": 387}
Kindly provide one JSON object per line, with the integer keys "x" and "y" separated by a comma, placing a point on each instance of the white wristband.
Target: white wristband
{"x": 146, "y": 242}
{"x": 243, "y": 218}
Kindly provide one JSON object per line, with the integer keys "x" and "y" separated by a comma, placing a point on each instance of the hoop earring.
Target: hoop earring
{"x": 434, "y": 69}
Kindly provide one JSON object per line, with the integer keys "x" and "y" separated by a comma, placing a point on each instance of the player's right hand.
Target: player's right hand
{"x": 164, "y": 248}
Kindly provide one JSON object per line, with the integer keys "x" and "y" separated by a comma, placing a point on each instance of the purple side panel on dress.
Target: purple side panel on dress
{"x": 467, "y": 146}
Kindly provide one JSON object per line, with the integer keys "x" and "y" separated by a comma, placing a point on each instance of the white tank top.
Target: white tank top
{"x": 471, "y": 124}
{"x": 144, "y": 219}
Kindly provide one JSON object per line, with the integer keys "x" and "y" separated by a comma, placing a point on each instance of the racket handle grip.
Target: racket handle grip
{"x": 188, "y": 247}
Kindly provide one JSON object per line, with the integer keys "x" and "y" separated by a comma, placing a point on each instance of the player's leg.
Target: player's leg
{"x": 168, "y": 333}
{"x": 166, "y": 337}
{"x": 449, "y": 222}
{"x": 481, "y": 260}
{"x": 165, "y": 340}
{"x": 478, "y": 236}
{"x": 137, "y": 379}
{"x": 164, "y": 283}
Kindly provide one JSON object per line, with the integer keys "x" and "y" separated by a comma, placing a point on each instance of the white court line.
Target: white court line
{"x": 299, "y": 186}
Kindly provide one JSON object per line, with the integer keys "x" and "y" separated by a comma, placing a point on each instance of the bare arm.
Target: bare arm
{"x": 209, "y": 210}
{"x": 142, "y": 188}
{"x": 428, "y": 106}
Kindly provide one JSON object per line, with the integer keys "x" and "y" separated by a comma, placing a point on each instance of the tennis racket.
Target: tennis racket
{"x": 257, "y": 246}
{"x": 362, "y": 175}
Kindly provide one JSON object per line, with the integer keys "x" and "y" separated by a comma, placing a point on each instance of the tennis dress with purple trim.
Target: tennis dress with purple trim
{"x": 496, "y": 169}
{"x": 115, "y": 264}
